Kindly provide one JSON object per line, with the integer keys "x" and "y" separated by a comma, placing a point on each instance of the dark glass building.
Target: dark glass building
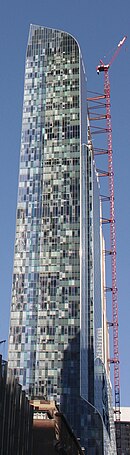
{"x": 123, "y": 428}
{"x": 15, "y": 416}
{"x": 56, "y": 324}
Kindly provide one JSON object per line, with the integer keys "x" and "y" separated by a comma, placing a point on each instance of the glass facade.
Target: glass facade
{"x": 56, "y": 311}
{"x": 45, "y": 312}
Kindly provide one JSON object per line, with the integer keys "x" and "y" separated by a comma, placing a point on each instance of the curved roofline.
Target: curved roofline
{"x": 57, "y": 30}
{"x": 62, "y": 31}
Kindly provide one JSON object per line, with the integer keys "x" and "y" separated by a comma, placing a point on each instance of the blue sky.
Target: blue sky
{"x": 98, "y": 25}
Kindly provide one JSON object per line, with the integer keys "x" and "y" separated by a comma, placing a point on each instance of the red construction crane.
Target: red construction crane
{"x": 104, "y": 68}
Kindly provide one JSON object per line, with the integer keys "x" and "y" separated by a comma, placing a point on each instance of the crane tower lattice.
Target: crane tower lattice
{"x": 99, "y": 108}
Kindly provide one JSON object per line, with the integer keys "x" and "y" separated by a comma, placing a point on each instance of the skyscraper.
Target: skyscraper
{"x": 56, "y": 325}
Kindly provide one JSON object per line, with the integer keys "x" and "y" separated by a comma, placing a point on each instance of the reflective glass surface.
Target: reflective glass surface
{"x": 56, "y": 311}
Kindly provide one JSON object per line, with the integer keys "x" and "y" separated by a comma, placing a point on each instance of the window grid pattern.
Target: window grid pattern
{"x": 52, "y": 327}
{"x": 45, "y": 313}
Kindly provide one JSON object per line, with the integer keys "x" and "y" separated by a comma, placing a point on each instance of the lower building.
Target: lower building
{"x": 51, "y": 432}
{"x": 124, "y": 428}
{"x": 15, "y": 416}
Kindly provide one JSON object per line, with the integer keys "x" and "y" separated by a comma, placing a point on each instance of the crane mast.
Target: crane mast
{"x": 104, "y": 68}
{"x": 115, "y": 360}
{"x": 103, "y": 101}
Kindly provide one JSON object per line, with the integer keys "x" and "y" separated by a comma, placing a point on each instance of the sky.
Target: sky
{"x": 98, "y": 26}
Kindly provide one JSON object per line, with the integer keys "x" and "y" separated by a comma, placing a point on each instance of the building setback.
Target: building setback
{"x": 56, "y": 341}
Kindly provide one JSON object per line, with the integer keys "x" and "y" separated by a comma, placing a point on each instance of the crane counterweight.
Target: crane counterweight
{"x": 102, "y": 67}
